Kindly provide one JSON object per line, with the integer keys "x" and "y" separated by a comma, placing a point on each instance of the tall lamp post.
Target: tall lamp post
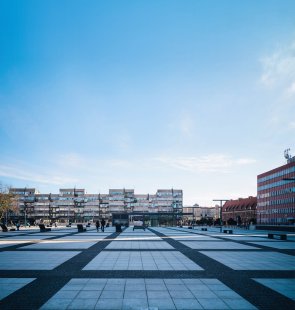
{"x": 221, "y": 202}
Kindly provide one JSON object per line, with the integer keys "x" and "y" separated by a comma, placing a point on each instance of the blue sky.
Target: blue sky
{"x": 196, "y": 95}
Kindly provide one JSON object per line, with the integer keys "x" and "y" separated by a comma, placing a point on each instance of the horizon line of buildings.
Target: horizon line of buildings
{"x": 274, "y": 204}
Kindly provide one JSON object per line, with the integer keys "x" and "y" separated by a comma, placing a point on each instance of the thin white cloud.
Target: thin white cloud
{"x": 207, "y": 163}
{"x": 279, "y": 70}
{"x": 35, "y": 176}
{"x": 70, "y": 160}
{"x": 186, "y": 125}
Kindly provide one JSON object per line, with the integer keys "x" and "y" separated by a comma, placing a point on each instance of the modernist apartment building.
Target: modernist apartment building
{"x": 276, "y": 195}
{"x": 75, "y": 205}
{"x": 242, "y": 211}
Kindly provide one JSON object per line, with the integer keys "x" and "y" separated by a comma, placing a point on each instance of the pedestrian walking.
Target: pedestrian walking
{"x": 97, "y": 225}
{"x": 103, "y": 222}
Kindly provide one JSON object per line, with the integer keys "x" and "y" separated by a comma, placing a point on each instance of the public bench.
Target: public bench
{"x": 81, "y": 228}
{"x": 138, "y": 227}
{"x": 43, "y": 228}
{"x": 204, "y": 229}
{"x": 280, "y": 236}
{"x": 228, "y": 231}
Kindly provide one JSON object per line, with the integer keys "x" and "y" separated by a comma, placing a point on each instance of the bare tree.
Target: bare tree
{"x": 8, "y": 201}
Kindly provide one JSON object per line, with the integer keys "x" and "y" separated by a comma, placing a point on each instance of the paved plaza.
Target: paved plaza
{"x": 156, "y": 269}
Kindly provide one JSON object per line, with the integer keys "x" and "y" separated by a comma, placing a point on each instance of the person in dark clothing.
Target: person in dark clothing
{"x": 103, "y": 222}
{"x": 97, "y": 225}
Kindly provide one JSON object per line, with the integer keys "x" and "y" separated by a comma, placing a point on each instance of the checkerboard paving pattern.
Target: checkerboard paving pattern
{"x": 161, "y": 268}
{"x": 145, "y": 294}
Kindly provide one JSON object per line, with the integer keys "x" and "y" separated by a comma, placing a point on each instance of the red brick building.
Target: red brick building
{"x": 242, "y": 211}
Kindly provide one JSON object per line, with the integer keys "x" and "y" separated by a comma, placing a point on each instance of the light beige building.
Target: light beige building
{"x": 198, "y": 213}
{"x": 74, "y": 205}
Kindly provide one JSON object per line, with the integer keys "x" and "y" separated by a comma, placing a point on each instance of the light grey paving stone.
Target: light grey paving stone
{"x": 116, "y": 281}
{"x": 139, "y": 245}
{"x": 66, "y": 294}
{"x": 227, "y": 294}
{"x": 37, "y": 260}
{"x": 57, "y": 303}
{"x": 213, "y": 303}
{"x": 285, "y": 287}
{"x": 83, "y": 303}
{"x": 112, "y": 294}
{"x": 93, "y": 287}
{"x": 59, "y": 244}
{"x": 113, "y": 287}
{"x": 97, "y": 281}
{"x": 217, "y": 287}
{"x": 204, "y": 294}
{"x": 277, "y": 245}
{"x": 244, "y": 238}
{"x": 148, "y": 260}
{"x": 109, "y": 304}
{"x": 219, "y": 245}
{"x": 198, "y": 287}
{"x": 186, "y": 304}
{"x": 158, "y": 294}
{"x": 88, "y": 294}
{"x": 181, "y": 294}
{"x": 154, "y": 281}
{"x": 156, "y": 287}
{"x": 173, "y": 281}
{"x": 176, "y": 287}
{"x": 161, "y": 304}
{"x": 211, "y": 281}
{"x": 135, "y": 294}
{"x": 253, "y": 260}
{"x": 191, "y": 281}
{"x": 194, "y": 238}
{"x": 238, "y": 304}
{"x": 134, "y": 304}
{"x": 73, "y": 287}
{"x": 134, "y": 287}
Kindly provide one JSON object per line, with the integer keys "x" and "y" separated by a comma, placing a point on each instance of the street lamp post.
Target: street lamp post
{"x": 221, "y": 201}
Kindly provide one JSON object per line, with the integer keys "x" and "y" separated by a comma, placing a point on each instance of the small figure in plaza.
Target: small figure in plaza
{"x": 97, "y": 225}
{"x": 103, "y": 222}
{"x": 17, "y": 225}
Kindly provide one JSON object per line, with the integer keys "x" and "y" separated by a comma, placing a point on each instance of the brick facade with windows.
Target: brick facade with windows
{"x": 276, "y": 195}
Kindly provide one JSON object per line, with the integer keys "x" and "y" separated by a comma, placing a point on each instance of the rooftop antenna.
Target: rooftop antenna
{"x": 287, "y": 155}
